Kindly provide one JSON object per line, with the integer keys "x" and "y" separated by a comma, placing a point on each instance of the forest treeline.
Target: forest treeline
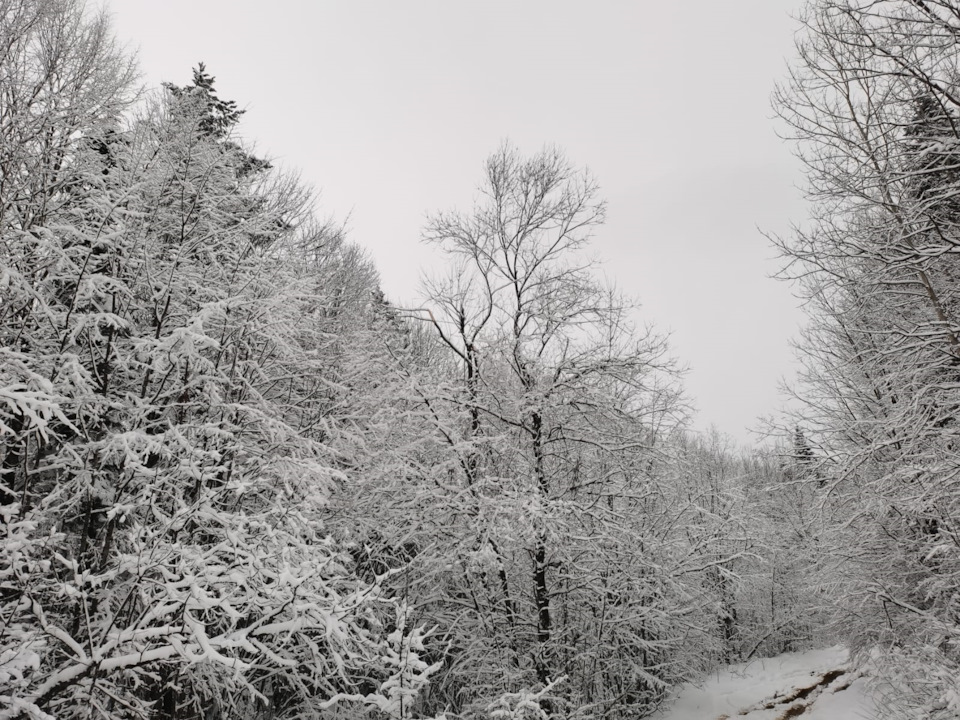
{"x": 237, "y": 482}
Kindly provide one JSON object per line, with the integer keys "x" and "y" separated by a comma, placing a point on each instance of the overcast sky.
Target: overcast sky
{"x": 390, "y": 108}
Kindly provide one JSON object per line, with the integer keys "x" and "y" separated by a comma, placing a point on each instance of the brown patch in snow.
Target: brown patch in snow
{"x": 793, "y": 711}
{"x": 799, "y": 694}
{"x": 804, "y": 692}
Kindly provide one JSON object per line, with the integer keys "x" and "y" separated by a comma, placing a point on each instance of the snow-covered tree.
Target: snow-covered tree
{"x": 166, "y": 374}
{"x": 528, "y": 501}
{"x": 873, "y": 103}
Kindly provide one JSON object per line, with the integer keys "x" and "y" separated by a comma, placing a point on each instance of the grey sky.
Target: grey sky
{"x": 390, "y": 108}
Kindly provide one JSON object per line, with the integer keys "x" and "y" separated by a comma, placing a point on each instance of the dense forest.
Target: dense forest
{"x": 237, "y": 482}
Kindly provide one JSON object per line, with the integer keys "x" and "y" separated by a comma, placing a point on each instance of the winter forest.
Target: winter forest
{"x": 237, "y": 482}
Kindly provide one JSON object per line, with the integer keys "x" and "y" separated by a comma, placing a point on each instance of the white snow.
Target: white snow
{"x": 852, "y": 703}
{"x": 762, "y": 690}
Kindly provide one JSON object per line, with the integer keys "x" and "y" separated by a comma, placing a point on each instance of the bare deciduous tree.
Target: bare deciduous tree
{"x": 874, "y": 105}
{"x": 555, "y": 419}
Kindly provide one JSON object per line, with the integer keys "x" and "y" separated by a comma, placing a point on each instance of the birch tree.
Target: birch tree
{"x": 542, "y": 496}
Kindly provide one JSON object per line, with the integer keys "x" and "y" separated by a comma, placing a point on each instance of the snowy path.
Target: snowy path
{"x": 813, "y": 685}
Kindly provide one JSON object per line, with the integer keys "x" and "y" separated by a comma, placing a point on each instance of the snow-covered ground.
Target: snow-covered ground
{"x": 813, "y": 685}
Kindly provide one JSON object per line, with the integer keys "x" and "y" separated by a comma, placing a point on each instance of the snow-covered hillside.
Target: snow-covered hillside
{"x": 813, "y": 685}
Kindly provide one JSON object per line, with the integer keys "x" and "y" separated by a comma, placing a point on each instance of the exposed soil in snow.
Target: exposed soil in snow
{"x": 813, "y": 685}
